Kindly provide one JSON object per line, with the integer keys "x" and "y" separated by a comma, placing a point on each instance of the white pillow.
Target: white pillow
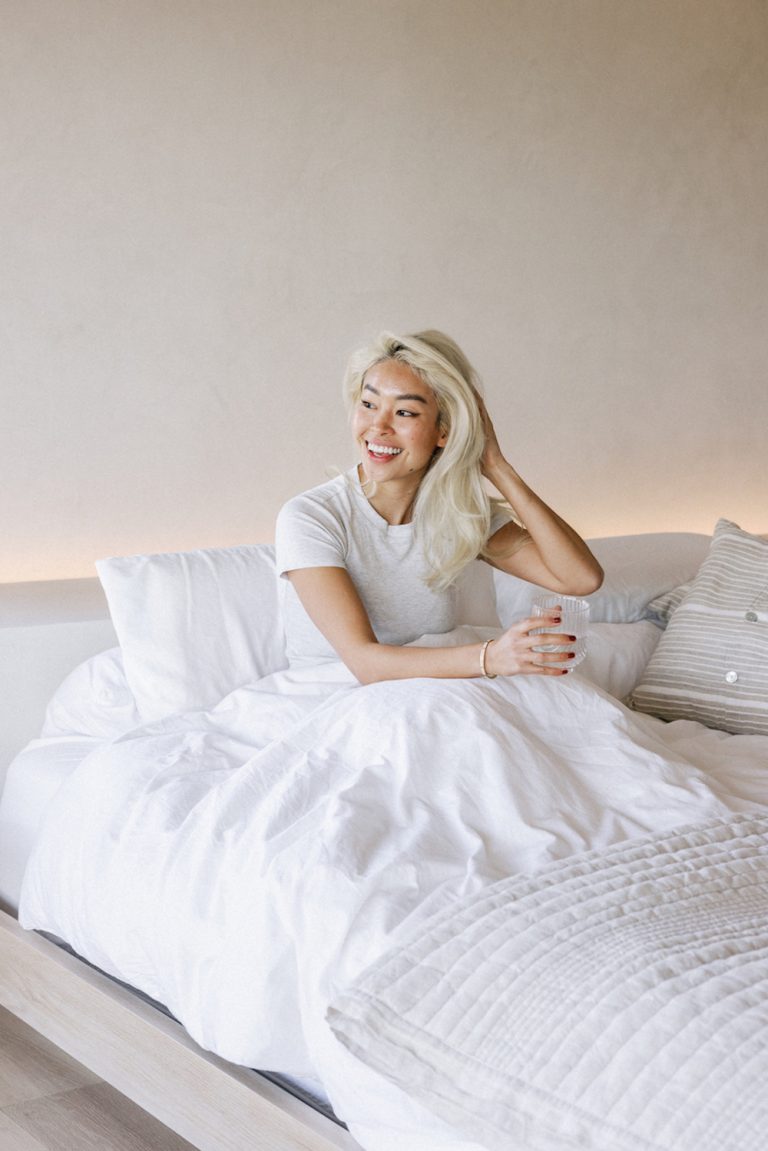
{"x": 617, "y": 654}
{"x": 637, "y": 569}
{"x": 194, "y": 626}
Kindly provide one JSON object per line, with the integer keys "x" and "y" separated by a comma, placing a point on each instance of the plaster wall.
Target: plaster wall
{"x": 205, "y": 206}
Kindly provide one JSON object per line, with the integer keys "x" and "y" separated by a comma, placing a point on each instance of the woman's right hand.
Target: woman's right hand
{"x": 513, "y": 653}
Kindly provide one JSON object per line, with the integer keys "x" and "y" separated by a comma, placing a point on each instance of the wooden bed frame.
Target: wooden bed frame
{"x": 45, "y": 630}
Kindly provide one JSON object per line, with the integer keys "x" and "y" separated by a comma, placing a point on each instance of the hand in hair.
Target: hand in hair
{"x": 554, "y": 555}
{"x": 492, "y": 455}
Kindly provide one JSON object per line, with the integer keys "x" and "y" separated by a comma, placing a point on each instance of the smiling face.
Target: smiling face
{"x": 396, "y": 423}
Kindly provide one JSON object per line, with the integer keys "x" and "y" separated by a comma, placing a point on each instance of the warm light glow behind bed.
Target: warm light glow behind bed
{"x": 608, "y": 520}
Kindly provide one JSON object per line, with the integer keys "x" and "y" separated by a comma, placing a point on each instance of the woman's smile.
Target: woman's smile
{"x": 381, "y": 451}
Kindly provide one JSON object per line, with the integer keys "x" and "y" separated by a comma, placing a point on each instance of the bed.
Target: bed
{"x": 472, "y": 914}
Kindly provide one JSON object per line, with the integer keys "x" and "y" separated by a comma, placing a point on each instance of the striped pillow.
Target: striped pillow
{"x": 660, "y": 609}
{"x": 711, "y": 664}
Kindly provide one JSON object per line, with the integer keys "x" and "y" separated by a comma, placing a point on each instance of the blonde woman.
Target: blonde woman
{"x": 373, "y": 559}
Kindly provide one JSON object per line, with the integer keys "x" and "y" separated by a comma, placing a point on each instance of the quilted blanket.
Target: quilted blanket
{"x": 617, "y": 1001}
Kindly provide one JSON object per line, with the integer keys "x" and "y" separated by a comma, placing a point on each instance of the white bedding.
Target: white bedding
{"x": 617, "y": 1000}
{"x": 33, "y": 780}
{"x": 95, "y": 703}
{"x": 244, "y": 865}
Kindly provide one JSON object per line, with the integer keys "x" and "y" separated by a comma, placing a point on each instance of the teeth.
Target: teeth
{"x": 381, "y": 450}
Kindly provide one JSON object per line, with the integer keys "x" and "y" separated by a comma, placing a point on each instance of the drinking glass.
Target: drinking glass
{"x": 574, "y": 614}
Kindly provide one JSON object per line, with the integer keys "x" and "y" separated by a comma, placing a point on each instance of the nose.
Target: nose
{"x": 382, "y": 422}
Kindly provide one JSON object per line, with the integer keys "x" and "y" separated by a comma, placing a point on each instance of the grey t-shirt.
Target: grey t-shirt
{"x": 334, "y": 525}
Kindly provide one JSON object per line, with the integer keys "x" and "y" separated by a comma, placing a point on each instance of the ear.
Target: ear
{"x": 443, "y": 436}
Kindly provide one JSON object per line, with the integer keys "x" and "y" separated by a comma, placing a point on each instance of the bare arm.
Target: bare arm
{"x": 554, "y": 556}
{"x": 331, "y": 600}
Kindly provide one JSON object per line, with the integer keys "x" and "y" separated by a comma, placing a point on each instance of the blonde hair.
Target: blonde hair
{"x": 452, "y": 510}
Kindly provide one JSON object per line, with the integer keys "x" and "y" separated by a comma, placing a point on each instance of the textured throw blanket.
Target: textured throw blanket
{"x": 616, "y": 1001}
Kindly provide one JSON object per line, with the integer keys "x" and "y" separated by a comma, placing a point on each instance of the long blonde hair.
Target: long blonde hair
{"x": 452, "y": 510}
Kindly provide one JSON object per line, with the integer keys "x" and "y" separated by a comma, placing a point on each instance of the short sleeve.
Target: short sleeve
{"x": 308, "y": 534}
{"x": 500, "y": 515}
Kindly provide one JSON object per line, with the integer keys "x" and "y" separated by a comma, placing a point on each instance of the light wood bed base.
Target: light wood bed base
{"x": 45, "y": 630}
{"x": 150, "y": 1058}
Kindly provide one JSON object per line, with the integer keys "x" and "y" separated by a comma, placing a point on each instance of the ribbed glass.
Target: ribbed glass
{"x": 575, "y": 621}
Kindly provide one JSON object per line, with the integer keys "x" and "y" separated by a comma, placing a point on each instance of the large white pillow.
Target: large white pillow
{"x": 637, "y": 569}
{"x": 194, "y": 626}
{"x": 617, "y": 654}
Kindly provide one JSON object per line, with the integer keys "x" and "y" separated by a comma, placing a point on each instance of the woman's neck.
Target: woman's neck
{"x": 393, "y": 501}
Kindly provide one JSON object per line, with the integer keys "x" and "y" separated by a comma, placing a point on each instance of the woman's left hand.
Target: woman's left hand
{"x": 492, "y": 455}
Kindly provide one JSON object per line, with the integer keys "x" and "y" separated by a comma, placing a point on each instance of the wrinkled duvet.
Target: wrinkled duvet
{"x": 244, "y": 866}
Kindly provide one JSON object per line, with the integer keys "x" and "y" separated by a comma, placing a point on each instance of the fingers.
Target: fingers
{"x": 535, "y": 650}
{"x": 550, "y": 663}
{"x": 531, "y": 630}
{"x": 553, "y": 656}
{"x": 484, "y": 416}
{"x": 478, "y": 397}
{"x": 549, "y": 618}
{"x": 526, "y": 649}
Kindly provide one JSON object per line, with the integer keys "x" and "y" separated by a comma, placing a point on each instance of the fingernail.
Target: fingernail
{"x": 571, "y": 655}
{"x": 572, "y": 638}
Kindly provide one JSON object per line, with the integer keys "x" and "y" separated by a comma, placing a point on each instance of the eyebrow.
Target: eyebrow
{"x": 407, "y": 396}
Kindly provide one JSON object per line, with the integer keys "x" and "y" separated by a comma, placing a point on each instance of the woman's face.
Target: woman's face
{"x": 395, "y": 423}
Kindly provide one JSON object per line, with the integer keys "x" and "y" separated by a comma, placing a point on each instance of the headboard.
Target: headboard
{"x": 46, "y": 629}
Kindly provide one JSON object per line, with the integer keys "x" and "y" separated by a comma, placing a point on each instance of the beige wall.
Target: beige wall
{"x": 207, "y": 203}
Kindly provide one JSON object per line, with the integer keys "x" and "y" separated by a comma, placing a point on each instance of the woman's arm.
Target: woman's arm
{"x": 551, "y": 553}
{"x": 331, "y": 601}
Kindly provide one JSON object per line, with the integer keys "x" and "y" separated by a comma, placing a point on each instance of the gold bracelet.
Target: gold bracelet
{"x": 483, "y": 650}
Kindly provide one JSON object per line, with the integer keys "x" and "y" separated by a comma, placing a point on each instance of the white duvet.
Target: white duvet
{"x": 244, "y": 865}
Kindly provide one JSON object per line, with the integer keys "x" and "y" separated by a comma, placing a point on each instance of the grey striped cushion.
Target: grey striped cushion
{"x": 660, "y": 609}
{"x": 711, "y": 664}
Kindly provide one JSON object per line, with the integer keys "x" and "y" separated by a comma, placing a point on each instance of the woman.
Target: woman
{"x": 374, "y": 558}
